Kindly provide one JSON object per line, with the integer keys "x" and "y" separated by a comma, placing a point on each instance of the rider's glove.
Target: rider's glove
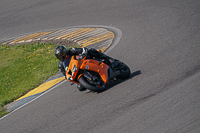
{"x": 83, "y": 54}
{"x": 85, "y": 51}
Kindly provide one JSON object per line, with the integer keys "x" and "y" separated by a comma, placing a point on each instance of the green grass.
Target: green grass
{"x": 23, "y": 68}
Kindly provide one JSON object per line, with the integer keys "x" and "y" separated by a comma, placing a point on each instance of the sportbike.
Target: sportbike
{"x": 94, "y": 74}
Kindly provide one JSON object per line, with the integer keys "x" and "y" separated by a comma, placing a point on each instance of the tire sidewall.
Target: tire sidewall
{"x": 89, "y": 86}
{"x": 125, "y": 72}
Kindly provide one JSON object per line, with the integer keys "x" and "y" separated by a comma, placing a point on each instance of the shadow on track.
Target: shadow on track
{"x": 133, "y": 74}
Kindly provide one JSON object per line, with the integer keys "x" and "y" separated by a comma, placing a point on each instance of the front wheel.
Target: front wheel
{"x": 91, "y": 87}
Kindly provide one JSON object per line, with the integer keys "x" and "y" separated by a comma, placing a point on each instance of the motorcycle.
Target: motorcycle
{"x": 94, "y": 74}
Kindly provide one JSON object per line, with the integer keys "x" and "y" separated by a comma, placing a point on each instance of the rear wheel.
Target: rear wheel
{"x": 92, "y": 87}
{"x": 125, "y": 72}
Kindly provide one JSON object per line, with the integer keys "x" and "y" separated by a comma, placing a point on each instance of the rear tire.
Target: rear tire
{"x": 125, "y": 72}
{"x": 91, "y": 87}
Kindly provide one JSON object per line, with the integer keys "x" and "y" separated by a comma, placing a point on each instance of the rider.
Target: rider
{"x": 63, "y": 54}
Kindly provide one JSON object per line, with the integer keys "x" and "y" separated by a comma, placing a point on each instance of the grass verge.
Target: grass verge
{"x": 24, "y": 67}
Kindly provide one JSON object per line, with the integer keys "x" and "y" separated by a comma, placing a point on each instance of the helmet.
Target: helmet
{"x": 61, "y": 52}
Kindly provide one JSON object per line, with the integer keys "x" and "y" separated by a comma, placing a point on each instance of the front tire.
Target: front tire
{"x": 91, "y": 87}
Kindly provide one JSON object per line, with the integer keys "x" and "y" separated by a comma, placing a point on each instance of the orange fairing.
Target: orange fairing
{"x": 93, "y": 65}
{"x": 70, "y": 73}
{"x": 88, "y": 64}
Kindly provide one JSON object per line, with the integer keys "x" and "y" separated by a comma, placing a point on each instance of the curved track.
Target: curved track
{"x": 160, "y": 38}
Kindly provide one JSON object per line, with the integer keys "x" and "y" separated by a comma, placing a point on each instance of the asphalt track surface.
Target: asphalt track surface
{"x": 159, "y": 37}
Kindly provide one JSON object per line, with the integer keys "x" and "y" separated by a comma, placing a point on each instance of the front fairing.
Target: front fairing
{"x": 66, "y": 63}
{"x": 72, "y": 69}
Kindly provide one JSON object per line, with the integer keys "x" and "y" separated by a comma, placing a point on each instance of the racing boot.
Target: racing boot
{"x": 80, "y": 87}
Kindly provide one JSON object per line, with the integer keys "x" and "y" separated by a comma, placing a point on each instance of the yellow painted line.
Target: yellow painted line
{"x": 76, "y": 33}
{"x": 103, "y": 49}
{"x": 43, "y": 87}
{"x": 68, "y": 34}
{"x": 97, "y": 39}
{"x": 86, "y": 30}
{"x": 31, "y": 36}
{"x": 23, "y": 38}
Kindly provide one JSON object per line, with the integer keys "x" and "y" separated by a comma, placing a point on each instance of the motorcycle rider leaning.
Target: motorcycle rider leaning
{"x": 63, "y": 54}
